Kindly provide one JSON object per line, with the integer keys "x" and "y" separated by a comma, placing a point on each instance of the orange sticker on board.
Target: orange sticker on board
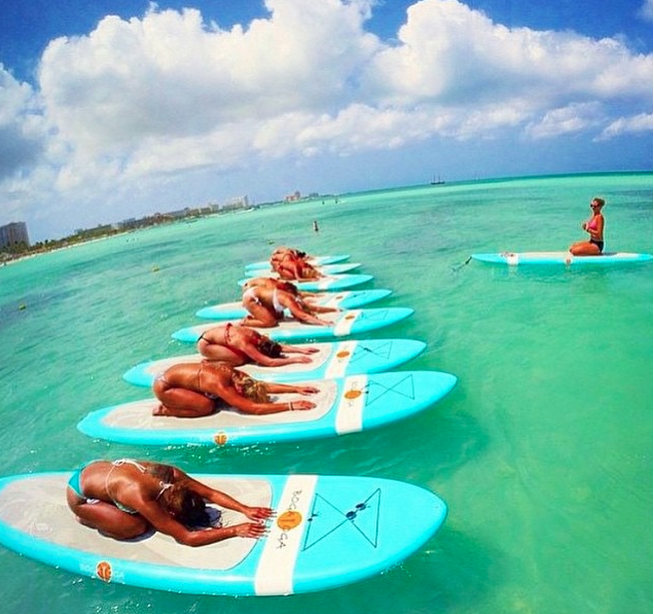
{"x": 103, "y": 571}
{"x": 352, "y": 394}
{"x": 349, "y": 317}
{"x": 289, "y": 520}
{"x": 342, "y": 354}
{"x": 220, "y": 438}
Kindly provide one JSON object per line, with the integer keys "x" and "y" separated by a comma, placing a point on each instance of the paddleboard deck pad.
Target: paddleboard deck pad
{"x": 336, "y": 359}
{"x": 325, "y": 269}
{"x": 312, "y": 260}
{"x": 343, "y": 405}
{"x": 566, "y": 258}
{"x": 342, "y": 324}
{"x": 328, "y": 531}
{"x": 347, "y": 299}
{"x": 329, "y": 282}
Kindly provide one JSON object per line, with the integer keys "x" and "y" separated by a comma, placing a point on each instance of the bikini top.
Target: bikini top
{"x": 592, "y": 225}
{"x": 128, "y": 461}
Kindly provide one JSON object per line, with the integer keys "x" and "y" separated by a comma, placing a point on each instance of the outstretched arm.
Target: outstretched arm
{"x": 298, "y": 349}
{"x": 297, "y": 311}
{"x": 268, "y": 361}
{"x": 274, "y": 388}
{"x": 162, "y": 521}
{"x": 247, "y": 406}
{"x": 224, "y": 500}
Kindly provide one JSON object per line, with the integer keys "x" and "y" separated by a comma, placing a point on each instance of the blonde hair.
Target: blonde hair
{"x": 254, "y": 390}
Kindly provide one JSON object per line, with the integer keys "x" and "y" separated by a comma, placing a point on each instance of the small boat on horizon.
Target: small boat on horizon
{"x": 434, "y": 181}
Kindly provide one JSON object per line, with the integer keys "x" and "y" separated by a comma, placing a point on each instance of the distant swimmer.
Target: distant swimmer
{"x": 595, "y": 228}
{"x": 315, "y": 226}
{"x": 192, "y": 390}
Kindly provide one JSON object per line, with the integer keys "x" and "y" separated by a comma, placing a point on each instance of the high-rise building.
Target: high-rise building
{"x": 12, "y": 235}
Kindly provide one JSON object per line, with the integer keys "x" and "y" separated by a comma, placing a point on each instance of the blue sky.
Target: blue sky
{"x": 111, "y": 110}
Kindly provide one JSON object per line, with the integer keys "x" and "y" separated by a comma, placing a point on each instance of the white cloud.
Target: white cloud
{"x": 20, "y": 126}
{"x": 138, "y": 100}
{"x": 645, "y": 11}
{"x": 567, "y": 120}
{"x": 627, "y": 125}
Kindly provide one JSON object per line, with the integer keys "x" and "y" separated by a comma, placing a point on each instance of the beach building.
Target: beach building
{"x": 14, "y": 235}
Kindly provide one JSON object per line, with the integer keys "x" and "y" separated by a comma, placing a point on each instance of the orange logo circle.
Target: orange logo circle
{"x": 103, "y": 570}
{"x": 289, "y": 520}
{"x": 352, "y": 394}
{"x": 343, "y": 354}
{"x": 220, "y": 439}
{"x": 349, "y": 317}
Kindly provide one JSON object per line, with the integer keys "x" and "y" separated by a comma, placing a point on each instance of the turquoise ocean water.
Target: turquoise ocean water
{"x": 543, "y": 452}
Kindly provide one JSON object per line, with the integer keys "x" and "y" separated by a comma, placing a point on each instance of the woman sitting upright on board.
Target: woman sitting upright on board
{"x": 266, "y": 305}
{"x": 192, "y": 390}
{"x": 595, "y": 228}
{"x": 125, "y": 499}
{"x": 240, "y": 345}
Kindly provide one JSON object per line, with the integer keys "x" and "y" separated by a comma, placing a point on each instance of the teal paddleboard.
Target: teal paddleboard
{"x": 346, "y": 299}
{"x": 336, "y": 359}
{"x": 565, "y": 258}
{"x": 342, "y": 323}
{"x": 328, "y": 531}
{"x": 343, "y": 405}
{"x": 325, "y": 269}
{"x": 313, "y": 260}
{"x": 328, "y": 283}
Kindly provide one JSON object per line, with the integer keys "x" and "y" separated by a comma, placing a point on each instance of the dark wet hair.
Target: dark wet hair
{"x": 187, "y": 506}
{"x": 270, "y": 348}
{"x": 287, "y": 286}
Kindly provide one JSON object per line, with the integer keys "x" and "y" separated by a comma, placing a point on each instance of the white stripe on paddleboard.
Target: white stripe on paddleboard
{"x": 344, "y": 325}
{"x": 334, "y": 300}
{"x": 324, "y": 283}
{"x": 349, "y": 414}
{"x": 512, "y": 259}
{"x": 338, "y": 364}
{"x": 274, "y": 573}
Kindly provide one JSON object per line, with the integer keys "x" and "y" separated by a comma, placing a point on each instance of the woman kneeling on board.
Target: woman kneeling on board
{"x": 240, "y": 345}
{"x": 595, "y": 228}
{"x": 291, "y": 264}
{"x": 278, "y": 284}
{"x": 192, "y": 390}
{"x": 266, "y": 306}
{"x": 124, "y": 499}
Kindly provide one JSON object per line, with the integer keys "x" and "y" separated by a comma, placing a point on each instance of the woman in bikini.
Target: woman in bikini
{"x": 125, "y": 499}
{"x": 266, "y": 304}
{"x": 595, "y": 228}
{"x": 240, "y": 345}
{"x": 192, "y": 390}
{"x": 291, "y": 264}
